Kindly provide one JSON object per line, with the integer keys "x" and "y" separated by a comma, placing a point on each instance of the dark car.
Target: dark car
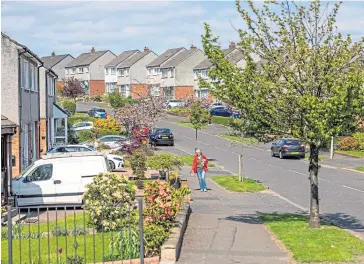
{"x": 97, "y": 112}
{"x": 161, "y": 136}
{"x": 221, "y": 111}
{"x": 288, "y": 147}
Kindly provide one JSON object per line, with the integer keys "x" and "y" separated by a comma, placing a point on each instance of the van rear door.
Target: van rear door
{"x": 92, "y": 166}
{"x": 68, "y": 176}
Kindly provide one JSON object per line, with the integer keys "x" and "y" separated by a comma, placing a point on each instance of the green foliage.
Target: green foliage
{"x": 70, "y": 106}
{"x": 85, "y": 135}
{"x": 161, "y": 206}
{"x": 355, "y": 142}
{"x": 107, "y": 124}
{"x": 232, "y": 183}
{"x": 154, "y": 236}
{"x": 184, "y": 112}
{"x": 77, "y": 119}
{"x": 225, "y": 121}
{"x": 116, "y": 100}
{"x": 138, "y": 163}
{"x": 109, "y": 200}
{"x": 126, "y": 244}
{"x": 75, "y": 260}
{"x": 198, "y": 116}
{"x": 96, "y": 98}
{"x": 359, "y": 137}
{"x": 164, "y": 162}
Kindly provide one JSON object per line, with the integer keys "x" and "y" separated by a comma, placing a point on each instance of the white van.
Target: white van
{"x": 58, "y": 178}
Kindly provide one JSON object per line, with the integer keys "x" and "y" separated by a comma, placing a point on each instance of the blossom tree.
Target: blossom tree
{"x": 72, "y": 88}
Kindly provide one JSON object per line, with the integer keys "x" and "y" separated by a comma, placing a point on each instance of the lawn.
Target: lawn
{"x": 321, "y": 158}
{"x": 328, "y": 244}
{"x": 187, "y": 124}
{"x": 356, "y": 153}
{"x": 232, "y": 183}
{"x": 188, "y": 160}
{"x": 247, "y": 141}
{"x": 360, "y": 168}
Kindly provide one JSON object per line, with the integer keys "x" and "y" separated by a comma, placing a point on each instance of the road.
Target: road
{"x": 341, "y": 192}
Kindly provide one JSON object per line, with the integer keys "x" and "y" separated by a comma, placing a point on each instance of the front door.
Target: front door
{"x": 38, "y": 187}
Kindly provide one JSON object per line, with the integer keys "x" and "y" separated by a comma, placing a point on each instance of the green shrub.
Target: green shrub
{"x": 180, "y": 111}
{"x": 164, "y": 162}
{"x": 225, "y": 121}
{"x": 110, "y": 201}
{"x": 138, "y": 163}
{"x": 154, "y": 236}
{"x": 77, "y": 119}
{"x": 70, "y": 106}
{"x": 348, "y": 143}
{"x": 96, "y": 98}
{"x": 126, "y": 244}
{"x": 85, "y": 135}
{"x": 75, "y": 260}
{"x": 107, "y": 124}
{"x": 359, "y": 138}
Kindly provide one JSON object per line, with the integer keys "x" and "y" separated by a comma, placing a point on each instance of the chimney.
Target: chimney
{"x": 92, "y": 50}
{"x": 193, "y": 47}
{"x": 232, "y": 45}
{"x": 146, "y": 49}
{"x": 53, "y": 54}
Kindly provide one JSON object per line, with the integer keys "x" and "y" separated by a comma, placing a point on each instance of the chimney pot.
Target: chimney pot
{"x": 193, "y": 47}
{"x": 146, "y": 49}
{"x": 53, "y": 54}
{"x": 92, "y": 50}
{"x": 232, "y": 45}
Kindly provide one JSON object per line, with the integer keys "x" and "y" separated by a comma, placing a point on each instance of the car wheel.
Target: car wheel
{"x": 272, "y": 153}
{"x": 112, "y": 165}
{"x": 280, "y": 155}
{"x": 172, "y": 145}
{"x": 303, "y": 156}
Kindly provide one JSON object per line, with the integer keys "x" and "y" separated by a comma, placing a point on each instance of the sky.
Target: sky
{"x": 75, "y": 27}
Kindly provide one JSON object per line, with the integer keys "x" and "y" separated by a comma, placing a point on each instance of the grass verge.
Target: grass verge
{"x": 247, "y": 141}
{"x": 355, "y": 153}
{"x": 361, "y": 168}
{"x": 187, "y": 124}
{"x": 232, "y": 183}
{"x": 188, "y": 160}
{"x": 321, "y": 158}
{"x": 327, "y": 244}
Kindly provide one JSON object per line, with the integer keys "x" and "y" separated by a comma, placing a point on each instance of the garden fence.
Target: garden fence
{"x": 73, "y": 235}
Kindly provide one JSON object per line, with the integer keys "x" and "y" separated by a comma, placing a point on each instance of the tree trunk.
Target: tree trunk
{"x": 314, "y": 201}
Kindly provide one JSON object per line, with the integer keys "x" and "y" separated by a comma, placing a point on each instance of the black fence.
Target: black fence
{"x": 73, "y": 234}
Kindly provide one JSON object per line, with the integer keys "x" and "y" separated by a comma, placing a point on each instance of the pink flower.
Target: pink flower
{"x": 60, "y": 250}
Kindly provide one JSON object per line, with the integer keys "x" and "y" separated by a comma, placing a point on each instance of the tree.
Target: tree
{"x": 302, "y": 78}
{"x": 116, "y": 100}
{"x": 199, "y": 116}
{"x": 72, "y": 88}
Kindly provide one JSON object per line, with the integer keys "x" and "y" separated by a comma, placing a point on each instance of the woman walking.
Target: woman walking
{"x": 199, "y": 167}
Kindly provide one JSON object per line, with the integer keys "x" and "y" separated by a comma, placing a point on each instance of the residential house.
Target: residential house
{"x": 53, "y": 119}
{"x": 8, "y": 130}
{"x": 232, "y": 54}
{"x": 111, "y": 78}
{"x": 20, "y": 100}
{"x": 132, "y": 77}
{"x": 89, "y": 69}
{"x": 57, "y": 64}
{"x": 171, "y": 73}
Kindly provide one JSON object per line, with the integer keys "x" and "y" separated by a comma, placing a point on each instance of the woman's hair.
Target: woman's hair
{"x": 198, "y": 150}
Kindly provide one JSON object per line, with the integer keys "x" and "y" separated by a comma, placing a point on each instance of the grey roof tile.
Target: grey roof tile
{"x": 122, "y": 57}
{"x": 133, "y": 59}
{"x": 50, "y": 61}
{"x": 206, "y": 64}
{"x": 175, "y": 60}
{"x": 86, "y": 58}
{"x": 163, "y": 57}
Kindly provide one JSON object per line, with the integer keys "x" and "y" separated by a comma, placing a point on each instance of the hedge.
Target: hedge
{"x": 225, "y": 121}
{"x": 77, "y": 119}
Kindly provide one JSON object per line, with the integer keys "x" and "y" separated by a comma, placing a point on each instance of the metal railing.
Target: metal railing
{"x": 72, "y": 234}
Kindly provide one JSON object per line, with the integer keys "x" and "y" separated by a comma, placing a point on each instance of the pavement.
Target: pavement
{"x": 341, "y": 191}
{"x": 224, "y": 226}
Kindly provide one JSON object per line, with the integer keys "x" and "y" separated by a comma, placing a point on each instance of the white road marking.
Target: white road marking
{"x": 300, "y": 173}
{"x": 289, "y": 201}
{"x": 351, "y": 188}
{"x": 256, "y": 160}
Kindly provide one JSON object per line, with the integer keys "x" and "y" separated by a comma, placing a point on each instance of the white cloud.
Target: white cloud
{"x": 17, "y": 23}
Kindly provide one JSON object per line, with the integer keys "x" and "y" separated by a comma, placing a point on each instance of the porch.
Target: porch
{"x": 59, "y": 126}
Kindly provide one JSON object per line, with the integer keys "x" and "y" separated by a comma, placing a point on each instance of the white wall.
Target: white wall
{"x": 138, "y": 71}
{"x": 97, "y": 68}
{"x": 184, "y": 71}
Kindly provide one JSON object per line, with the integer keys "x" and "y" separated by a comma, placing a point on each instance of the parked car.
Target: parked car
{"x": 288, "y": 147}
{"x": 59, "y": 178}
{"x": 115, "y": 161}
{"x": 97, "y": 112}
{"x": 86, "y": 125}
{"x": 221, "y": 111}
{"x": 174, "y": 103}
{"x": 161, "y": 136}
{"x": 216, "y": 104}
{"x": 110, "y": 140}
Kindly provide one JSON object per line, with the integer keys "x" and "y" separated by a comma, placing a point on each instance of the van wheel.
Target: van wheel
{"x": 112, "y": 165}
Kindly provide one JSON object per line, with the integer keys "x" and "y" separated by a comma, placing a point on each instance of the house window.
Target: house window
{"x": 164, "y": 73}
{"x": 86, "y": 69}
{"x": 204, "y": 74}
{"x": 80, "y": 70}
{"x": 120, "y": 72}
{"x": 31, "y": 73}
{"x": 50, "y": 86}
{"x": 67, "y": 71}
{"x": 124, "y": 90}
{"x": 150, "y": 71}
{"x": 110, "y": 87}
{"x": 169, "y": 93}
{"x": 24, "y": 147}
{"x": 26, "y": 74}
{"x": 154, "y": 90}
{"x": 73, "y": 70}
{"x": 156, "y": 71}
{"x": 123, "y": 72}
{"x": 35, "y": 78}
{"x": 127, "y": 72}
{"x": 171, "y": 73}
{"x": 112, "y": 71}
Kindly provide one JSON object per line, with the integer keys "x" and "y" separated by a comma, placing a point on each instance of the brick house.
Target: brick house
{"x": 57, "y": 64}
{"x": 20, "y": 98}
{"x": 132, "y": 77}
{"x": 171, "y": 73}
{"x": 232, "y": 54}
{"x": 89, "y": 69}
{"x": 53, "y": 119}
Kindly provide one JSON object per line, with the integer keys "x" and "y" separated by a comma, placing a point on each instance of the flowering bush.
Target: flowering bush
{"x": 161, "y": 205}
{"x": 107, "y": 124}
{"x": 110, "y": 200}
{"x": 348, "y": 143}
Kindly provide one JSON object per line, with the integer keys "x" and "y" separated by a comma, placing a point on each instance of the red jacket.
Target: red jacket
{"x": 194, "y": 164}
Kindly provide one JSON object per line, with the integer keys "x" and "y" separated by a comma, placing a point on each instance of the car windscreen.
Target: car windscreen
{"x": 163, "y": 131}
{"x": 100, "y": 110}
{"x": 293, "y": 142}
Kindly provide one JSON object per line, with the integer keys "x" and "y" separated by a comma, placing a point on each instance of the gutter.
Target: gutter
{"x": 38, "y": 82}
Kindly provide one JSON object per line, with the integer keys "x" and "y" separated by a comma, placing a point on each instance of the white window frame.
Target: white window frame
{"x": 31, "y": 75}
{"x": 156, "y": 71}
{"x": 80, "y": 69}
{"x": 123, "y": 89}
{"x": 195, "y": 75}
{"x": 73, "y": 70}
{"x": 171, "y": 73}
{"x": 155, "y": 90}
{"x": 164, "y": 73}
{"x": 120, "y": 72}
{"x": 112, "y": 71}
{"x": 36, "y": 69}
{"x": 126, "y": 72}
{"x": 204, "y": 74}
{"x": 86, "y": 69}
{"x": 66, "y": 71}
{"x": 26, "y": 75}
